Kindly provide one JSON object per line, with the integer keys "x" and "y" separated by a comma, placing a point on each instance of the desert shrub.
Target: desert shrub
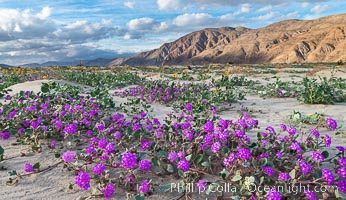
{"x": 322, "y": 92}
{"x": 278, "y": 89}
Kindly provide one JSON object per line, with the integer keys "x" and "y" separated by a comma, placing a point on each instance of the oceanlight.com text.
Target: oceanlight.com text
{"x": 229, "y": 188}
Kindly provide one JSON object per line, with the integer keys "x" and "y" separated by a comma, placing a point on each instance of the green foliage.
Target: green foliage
{"x": 322, "y": 92}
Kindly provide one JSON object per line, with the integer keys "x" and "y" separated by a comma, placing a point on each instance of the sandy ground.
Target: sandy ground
{"x": 53, "y": 184}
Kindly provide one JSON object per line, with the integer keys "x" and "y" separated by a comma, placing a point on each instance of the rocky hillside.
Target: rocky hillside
{"x": 289, "y": 41}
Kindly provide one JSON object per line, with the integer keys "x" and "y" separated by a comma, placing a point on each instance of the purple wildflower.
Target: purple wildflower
{"x": 340, "y": 148}
{"x": 342, "y": 186}
{"x": 83, "y": 180}
{"x": 310, "y": 195}
{"x": 305, "y": 168}
{"x": 342, "y": 162}
{"x": 273, "y": 195}
{"x": 5, "y": 135}
{"x": 28, "y": 168}
{"x": 295, "y": 146}
{"x": 102, "y": 143}
{"x": 283, "y": 127}
{"x": 145, "y": 165}
{"x": 291, "y": 130}
{"x": 145, "y": 187}
{"x": 118, "y": 135}
{"x": 208, "y": 139}
{"x": 327, "y": 140}
{"x": 317, "y": 156}
{"x": 315, "y": 133}
{"x": 215, "y": 147}
{"x": 108, "y": 191}
{"x": 172, "y": 156}
{"x": 279, "y": 154}
{"x": 136, "y": 127}
{"x": 331, "y": 124}
{"x": 68, "y": 156}
{"x": 129, "y": 160}
{"x": 244, "y": 154}
{"x": 100, "y": 127}
{"x": 99, "y": 169}
{"x": 209, "y": 126}
{"x": 268, "y": 170}
{"x": 183, "y": 164}
{"x": 202, "y": 185}
{"x": 110, "y": 148}
{"x": 185, "y": 125}
{"x": 271, "y": 130}
{"x": 284, "y": 176}
{"x": 145, "y": 145}
{"x": 188, "y": 134}
{"x": 52, "y": 144}
{"x": 239, "y": 133}
{"x": 342, "y": 172}
{"x": 328, "y": 176}
{"x": 70, "y": 129}
{"x": 188, "y": 107}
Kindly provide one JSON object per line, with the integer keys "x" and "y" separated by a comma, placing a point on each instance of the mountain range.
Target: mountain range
{"x": 289, "y": 41}
{"x": 96, "y": 62}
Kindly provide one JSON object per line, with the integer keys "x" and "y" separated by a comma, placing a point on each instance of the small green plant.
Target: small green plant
{"x": 322, "y": 92}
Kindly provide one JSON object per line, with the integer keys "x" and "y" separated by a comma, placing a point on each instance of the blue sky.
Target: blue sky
{"x": 45, "y": 30}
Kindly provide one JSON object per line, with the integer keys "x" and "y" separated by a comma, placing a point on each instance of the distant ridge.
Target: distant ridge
{"x": 96, "y": 62}
{"x": 5, "y": 66}
{"x": 289, "y": 41}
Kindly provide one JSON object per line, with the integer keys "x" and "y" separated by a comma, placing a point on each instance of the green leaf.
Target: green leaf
{"x": 211, "y": 188}
{"x": 199, "y": 158}
{"x": 45, "y": 88}
{"x": 224, "y": 174}
{"x": 293, "y": 174}
{"x": 165, "y": 188}
{"x": 325, "y": 154}
{"x": 12, "y": 172}
{"x": 155, "y": 162}
{"x": 236, "y": 178}
{"x": 142, "y": 155}
{"x": 339, "y": 194}
{"x": 170, "y": 168}
{"x": 57, "y": 155}
{"x": 139, "y": 197}
{"x": 317, "y": 173}
{"x": 36, "y": 165}
{"x": 181, "y": 173}
{"x": 205, "y": 164}
{"x": 1, "y": 150}
{"x": 188, "y": 158}
{"x": 162, "y": 154}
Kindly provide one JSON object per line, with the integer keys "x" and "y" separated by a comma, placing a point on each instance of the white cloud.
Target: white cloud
{"x": 141, "y": 24}
{"x": 194, "y": 19}
{"x": 169, "y": 4}
{"x": 129, "y": 4}
{"x": 83, "y": 30}
{"x": 319, "y": 8}
{"x": 45, "y": 13}
{"x": 15, "y": 23}
{"x": 267, "y": 16}
{"x": 305, "y": 4}
{"x": 292, "y": 15}
{"x": 245, "y": 8}
{"x": 265, "y": 8}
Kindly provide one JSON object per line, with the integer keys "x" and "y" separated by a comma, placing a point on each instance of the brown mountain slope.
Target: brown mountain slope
{"x": 289, "y": 41}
